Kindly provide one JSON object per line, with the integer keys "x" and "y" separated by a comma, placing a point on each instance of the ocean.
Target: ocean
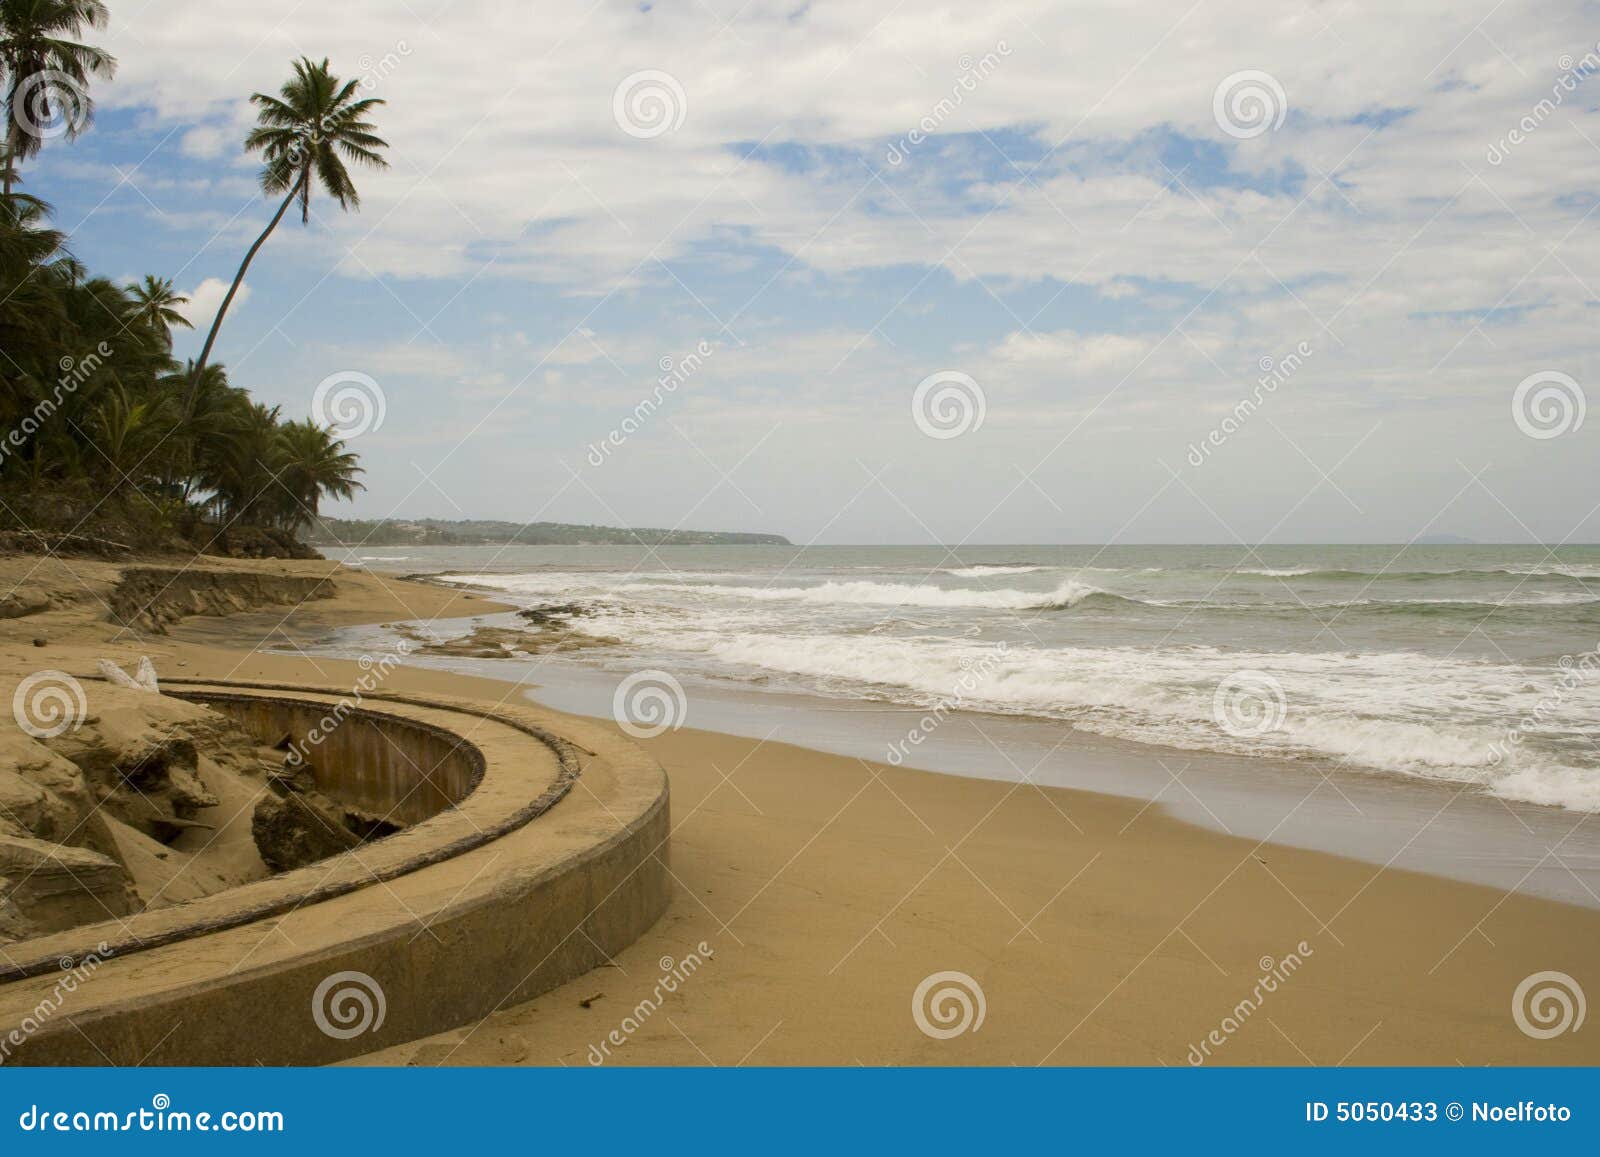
{"x": 1469, "y": 665}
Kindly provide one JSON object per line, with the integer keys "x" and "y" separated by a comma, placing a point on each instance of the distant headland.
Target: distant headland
{"x": 488, "y": 532}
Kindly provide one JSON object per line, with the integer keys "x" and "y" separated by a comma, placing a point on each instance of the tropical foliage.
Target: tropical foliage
{"x": 100, "y": 425}
{"x": 305, "y": 135}
{"x": 46, "y": 72}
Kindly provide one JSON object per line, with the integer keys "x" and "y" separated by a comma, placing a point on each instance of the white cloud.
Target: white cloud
{"x": 206, "y": 298}
{"x": 1373, "y": 224}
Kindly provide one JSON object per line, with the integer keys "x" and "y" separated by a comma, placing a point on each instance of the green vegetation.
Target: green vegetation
{"x": 304, "y": 136}
{"x": 445, "y": 532}
{"x": 103, "y": 433}
{"x": 44, "y": 67}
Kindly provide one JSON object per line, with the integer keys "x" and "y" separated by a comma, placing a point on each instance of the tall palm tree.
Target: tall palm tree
{"x": 202, "y": 426}
{"x": 155, "y": 306}
{"x": 123, "y": 432}
{"x": 304, "y": 135}
{"x": 9, "y": 177}
{"x": 242, "y": 470}
{"x": 315, "y": 464}
{"x": 47, "y": 71}
{"x": 30, "y": 310}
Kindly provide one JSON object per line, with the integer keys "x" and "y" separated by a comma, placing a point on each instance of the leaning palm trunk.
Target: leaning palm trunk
{"x": 238, "y": 279}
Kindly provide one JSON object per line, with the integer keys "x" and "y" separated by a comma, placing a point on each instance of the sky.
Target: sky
{"x": 960, "y": 273}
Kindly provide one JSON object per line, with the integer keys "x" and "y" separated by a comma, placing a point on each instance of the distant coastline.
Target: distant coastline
{"x": 489, "y": 532}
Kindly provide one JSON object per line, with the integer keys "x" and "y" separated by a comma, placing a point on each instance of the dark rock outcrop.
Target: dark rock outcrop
{"x": 300, "y": 828}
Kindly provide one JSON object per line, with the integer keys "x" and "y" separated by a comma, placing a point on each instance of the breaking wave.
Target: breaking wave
{"x": 983, "y": 569}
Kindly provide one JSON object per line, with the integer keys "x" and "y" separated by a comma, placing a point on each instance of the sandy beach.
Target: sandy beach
{"x": 815, "y": 893}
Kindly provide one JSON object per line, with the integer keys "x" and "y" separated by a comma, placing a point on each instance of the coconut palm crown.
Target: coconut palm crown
{"x": 305, "y": 136}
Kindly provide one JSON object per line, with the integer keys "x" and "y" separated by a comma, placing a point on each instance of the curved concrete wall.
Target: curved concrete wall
{"x": 389, "y": 766}
{"x": 545, "y": 870}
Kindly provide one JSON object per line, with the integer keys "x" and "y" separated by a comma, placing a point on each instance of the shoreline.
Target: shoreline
{"x": 1440, "y": 827}
{"x": 819, "y": 892}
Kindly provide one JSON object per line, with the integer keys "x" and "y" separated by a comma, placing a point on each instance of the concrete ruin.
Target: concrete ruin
{"x": 457, "y": 857}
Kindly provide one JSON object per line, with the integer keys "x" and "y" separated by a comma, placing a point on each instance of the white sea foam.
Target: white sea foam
{"x": 983, "y": 569}
{"x": 1441, "y": 716}
{"x": 859, "y": 593}
{"x": 878, "y": 594}
{"x": 1398, "y": 712}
